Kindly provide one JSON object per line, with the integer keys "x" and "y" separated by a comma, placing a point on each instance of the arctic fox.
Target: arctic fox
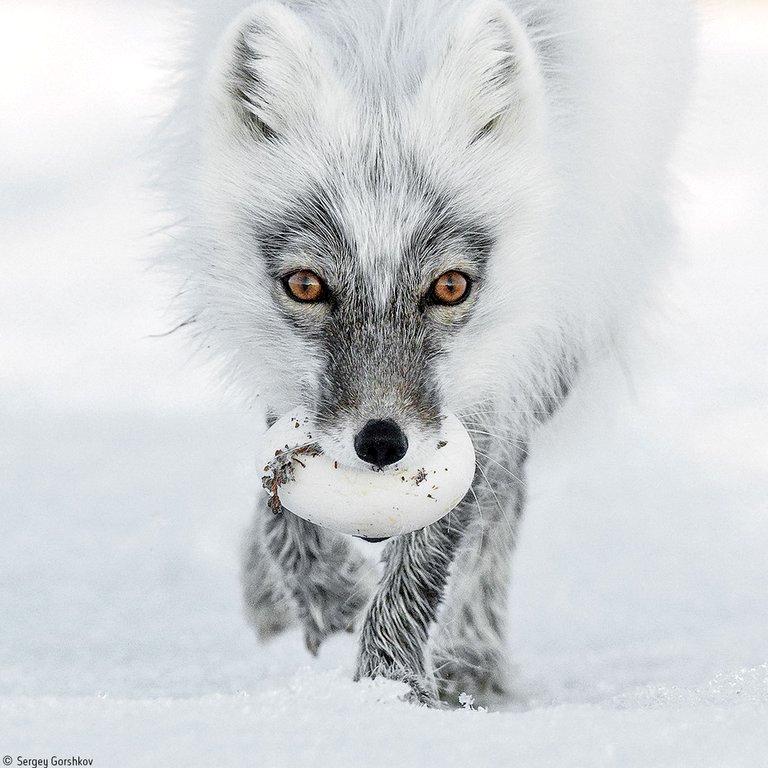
{"x": 392, "y": 209}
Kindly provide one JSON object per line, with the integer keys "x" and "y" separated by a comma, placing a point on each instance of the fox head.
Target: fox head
{"x": 371, "y": 205}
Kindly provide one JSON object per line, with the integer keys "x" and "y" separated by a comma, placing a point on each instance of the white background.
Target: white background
{"x": 640, "y": 603}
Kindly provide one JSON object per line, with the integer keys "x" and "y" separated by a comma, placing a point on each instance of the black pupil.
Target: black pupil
{"x": 307, "y": 283}
{"x": 450, "y": 287}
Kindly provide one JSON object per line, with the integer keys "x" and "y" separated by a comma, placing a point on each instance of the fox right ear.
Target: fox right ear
{"x": 488, "y": 79}
{"x": 272, "y": 73}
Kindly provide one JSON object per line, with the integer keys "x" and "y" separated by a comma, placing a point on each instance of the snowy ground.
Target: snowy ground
{"x": 640, "y": 609}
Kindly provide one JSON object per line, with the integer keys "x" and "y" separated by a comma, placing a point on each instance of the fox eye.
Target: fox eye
{"x": 450, "y": 288}
{"x": 305, "y": 286}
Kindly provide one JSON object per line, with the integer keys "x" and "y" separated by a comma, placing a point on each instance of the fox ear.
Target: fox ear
{"x": 272, "y": 73}
{"x": 487, "y": 79}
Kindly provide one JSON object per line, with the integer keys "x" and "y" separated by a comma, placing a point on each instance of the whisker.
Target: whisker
{"x": 501, "y": 438}
{"x": 498, "y": 503}
{"x": 478, "y": 505}
{"x": 501, "y": 466}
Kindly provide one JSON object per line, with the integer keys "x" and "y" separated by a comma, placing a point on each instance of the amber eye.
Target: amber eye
{"x": 450, "y": 288}
{"x": 305, "y": 286}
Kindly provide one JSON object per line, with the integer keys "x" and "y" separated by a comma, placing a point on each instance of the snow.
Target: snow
{"x": 639, "y": 611}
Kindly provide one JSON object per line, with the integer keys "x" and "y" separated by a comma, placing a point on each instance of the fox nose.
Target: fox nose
{"x": 381, "y": 442}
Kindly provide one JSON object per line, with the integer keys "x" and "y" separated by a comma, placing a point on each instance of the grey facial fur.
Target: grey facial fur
{"x": 376, "y": 350}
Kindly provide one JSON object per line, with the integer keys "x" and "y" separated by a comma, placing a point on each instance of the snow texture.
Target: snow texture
{"x": 640, "y": 607}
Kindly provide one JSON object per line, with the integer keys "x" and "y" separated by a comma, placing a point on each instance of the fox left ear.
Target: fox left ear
{"x": 488, "y": 78}
{"x": 272, "y": 76}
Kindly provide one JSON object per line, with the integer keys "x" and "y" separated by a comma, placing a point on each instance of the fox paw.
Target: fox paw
{"x": 325, "y": 613}
{"x": 268, "y": 607}
{"x": 483, "y": 674}
{"x": 421, "y": 687}
{"x": 331, "y": 602}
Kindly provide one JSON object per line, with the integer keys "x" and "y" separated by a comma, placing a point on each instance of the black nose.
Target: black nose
{"x": 381, "y": 443}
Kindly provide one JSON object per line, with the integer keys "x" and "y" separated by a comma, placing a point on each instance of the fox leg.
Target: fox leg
{"x": 463, "y": 558}
{"x": 294, "y": 569}
{"x": 393, "y": 641}
{"x": 470, "y": 649}
{"x": 268, "y": 605}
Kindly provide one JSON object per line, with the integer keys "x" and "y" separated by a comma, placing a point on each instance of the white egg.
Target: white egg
{"x": 360, "y": 501}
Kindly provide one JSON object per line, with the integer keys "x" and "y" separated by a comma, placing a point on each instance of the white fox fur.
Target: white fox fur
{"x": 550, "y": 123}
{"x": 588, "y": 189}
